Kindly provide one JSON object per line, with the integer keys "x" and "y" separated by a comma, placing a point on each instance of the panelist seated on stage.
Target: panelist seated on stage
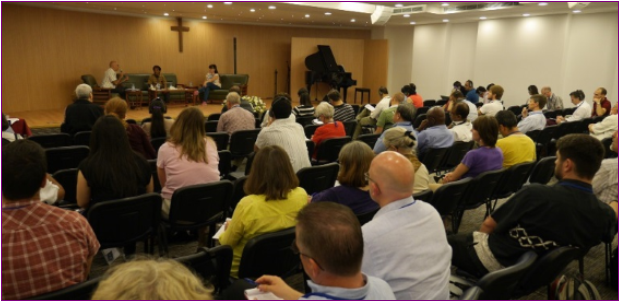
{"x": 158, "y": 78}
{"x": 114, "y": 78}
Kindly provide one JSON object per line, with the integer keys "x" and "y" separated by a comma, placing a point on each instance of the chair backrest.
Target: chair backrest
{"x": 569, "y": 111}
{"x": 157, "y": 142}
{"x": 448, "y": 196}
{"x": 212, "y": 265}
{"x": 573, "y": 127}
{"x": 65, "y": 157}
{"x": 366, "y": 217}
{"x": 238, "y": 192}
{"x": 329, "y": 149}
{"x": 214, "y": 117}
{"x": 433, "y": 158}
{"x": 551, "y": 114}
{"x": 153, "y": 167}
{"x": 269, "y": 254}
{"x": 318, "y": 178}
{"x": 418, "y": 120}
{"x": 304, "y": 120}
{"x": 425, "y": 195}
{"x": 221, "y": 139}
{"x": 500, "y": 285}
{"x": 123, "y": 221}
{"x": 309, "y": 130}
{"x": 349, "y": 127}
{"x": 89, "y": 80}
{"x": 515, "y": 109}
{"x": 310, "y": 146}
{"x": 225, "y": 162}
{"x": 607, "y": 144}
{"x": 52, "y": 140}
{"x": 82, "y": 291}
{"x": 82, "y": 138}
{"x": 472, "y": 294}
{"x": 481, "y": 189}
{"x": 199, "y": 205}
{"x": 534, "y": 134}
{"x": 67, "y": 178}
{"x": 546, "y": 269}
{"x": 441, "y": 102}
{"x": 211, "y": 126}
{"x": 546, "y": 135}
{"x": 429, "y": 103}
{"x": 131, "y": 121}
{"x": 513, "y": 179}
{"x": 356, "y": 108}
{"x": 455, "y": 154}
{"x": 583, "y": 125}
{"x": 242, "y": 142}
{"x": 543, "y": 171}
{"x": 369, "y": 139}
{"x": 421, "y": 110}
{"x": 257, "y": 123}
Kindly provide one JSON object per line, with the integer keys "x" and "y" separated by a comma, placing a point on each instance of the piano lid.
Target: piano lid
{"x": 322, "y": 61}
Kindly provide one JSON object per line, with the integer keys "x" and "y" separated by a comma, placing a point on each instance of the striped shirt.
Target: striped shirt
{"x": 303, "y": 110}
{"x": 344, "y": 113}
{"x": 289, "y": 135}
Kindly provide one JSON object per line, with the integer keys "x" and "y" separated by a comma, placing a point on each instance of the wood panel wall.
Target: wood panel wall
{"x": 45, "y": 51}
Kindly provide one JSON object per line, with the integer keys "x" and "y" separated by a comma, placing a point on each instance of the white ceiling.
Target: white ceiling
{"x": 342, "y": 13}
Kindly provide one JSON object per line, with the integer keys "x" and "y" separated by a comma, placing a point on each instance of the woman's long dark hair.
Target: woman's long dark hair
{"x": 157, "y": 119}
{"x": 214, "y": 67}
{"x": 115, "y": 162}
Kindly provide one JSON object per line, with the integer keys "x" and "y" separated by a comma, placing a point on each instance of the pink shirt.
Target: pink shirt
{"x": 181, "y": 172}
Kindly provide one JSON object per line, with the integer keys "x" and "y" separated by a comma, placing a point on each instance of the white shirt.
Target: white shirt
{"x": 108, "y": 78}
{"x": 405, "y": 244}
{"x": 289, "y": 135}
{"x": 383, "y": 104}
{"x": 473, "y": 111}
{"x": 583, "y": 111}
{"x": 492, "y": 108}
{"x": 605, "y": 182}
{"x": 265, "y": 121}
{"x": 606, "y": 128}
{"x": 462, "y": 132}
{"x": 374, "y": 289}
{"x": 535, "y": 120}
{"x": 49, "y": 193}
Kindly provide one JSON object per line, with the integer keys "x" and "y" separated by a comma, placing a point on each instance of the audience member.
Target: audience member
{"x": 330, "y": 245}
{"x": 368, "y": 118}
{"x": 8, "y": 133}
{"x": 403, "y": 141}
{"x": 162, "y": 279}
{"x": 305, "y": 107}
{"x": 330, "y": 129}
{"x": 582, "y": 109}
{"x": 187, "y": 158}
{"x": 82, "y": 114}
{"x": 417, "y": 268}
{"x": 212, "y": 82}
{"x": 386, "y": 118}
{"x": 433, "y": 133}
{"x": 342, "y": 112}
{"x": 461, "y": 127}
{"x": 354, "y": 158}
{"x": 113, "y": 79}
{"x": 138, "y": 139}
{"x": 482, "y": 92}
{"x": 457, "y": 86}
{"x": 273, "y": 200}
{"x": 44, "y": 248}
{"x": 605, "y": 182}
{"x": 532, "y": 90}
{"x": 235, "y": 118}
{"x": 487, "y": 94}
{"x": 402, "y": 117}
{"x": 411, "y": 92}
{"x": 472, "y": 94}
{"x": 533, "y": 117}
{"x": 284, "y": 132}
{"x": 246, "y": 101}
{"x": 601, "y": 105}
{"x": 112, "y": 169}
{"x": 539, "y": 217}
{"x": 516, "y": 147}
{"x": 495, "y": 103}
{"x": 554, "y": 102}
{"x": 158, "y": 126}
{"x": 605, "y": 128}
{"x": 159, "y": 79}
{"x": 452, "y": 99}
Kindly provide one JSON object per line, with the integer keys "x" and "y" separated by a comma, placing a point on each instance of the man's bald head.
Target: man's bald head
{"x": 436, "y": 116}
{"x": 391, "y": 177}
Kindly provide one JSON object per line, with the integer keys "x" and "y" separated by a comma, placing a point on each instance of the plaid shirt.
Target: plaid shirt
{"x": 44, "y": 249}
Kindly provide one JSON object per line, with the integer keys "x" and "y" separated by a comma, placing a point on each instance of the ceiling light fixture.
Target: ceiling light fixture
{"x": 328, "y": 14}
{"x": 252, "y": 10}
{"x": 483, "y": 18}
{"x": 542, "y": 4}
{"x": 406, "y": 16}
{"x": 204, "y": 17}
{"x": 227, "y": 3}
{"x": 307, "y": 16}
{"x": 526, "y": 15}
{"x": 209, "y": 6}
{"x": 272, "y": 7}
{"x": 352, "y": 20}
{"x": 412, "y": 23}
{"x": 445, "y": 4}
{"x": 166, "y": 14}
{"x": 576, "y": 11}
{"x": 398, "y": 5}
{"x": 446, "y": 20}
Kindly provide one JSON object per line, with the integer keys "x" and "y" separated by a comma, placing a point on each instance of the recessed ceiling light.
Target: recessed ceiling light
{"x": 526, "y": 15}
{"x": 272, "y": 7}
{"x": 406, "y": 16}
{"x": 307, "y": 16}
{"x": 446, "y": 20}
{"x": 252, "y": 10}
{"x": 352, "y": 20}
{"x": 542, "y": 4}
{"x": 209, "y": 6}
{"x": 445, "y": 4}
{"x": 204, "y": 17}
{"x": 398, "y": 5}
{"x": 228, "y": 3}
{"x": 412, "y": 23}
{"x": 576, "y": 11}
{"x": 166, "y": 14}
{"x": 328, "y": 14}
{"x": 483, "y": 18}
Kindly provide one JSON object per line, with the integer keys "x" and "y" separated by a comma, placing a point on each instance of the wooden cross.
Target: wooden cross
{"x": 180, "y": 28}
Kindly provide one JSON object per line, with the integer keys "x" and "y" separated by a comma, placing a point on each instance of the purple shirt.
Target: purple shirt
{"x": 482, "y": 160}
{"x": 359, "y": 201}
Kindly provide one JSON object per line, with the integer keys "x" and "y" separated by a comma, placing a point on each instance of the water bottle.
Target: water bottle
{"x": 133, "y": 87}
{"x": 158, "y": 86}
{"x": 191, "y": 85}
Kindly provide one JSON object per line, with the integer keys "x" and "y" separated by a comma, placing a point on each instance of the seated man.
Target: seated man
{"x": 554, "y": 102}
{"x": 44, "y": 248}
{"x": 402, "y": 118}
{"x": 236, "y": 118}
{"x": 386, "y": 118}
{"x": 342, "y": 112}
{"x": 114, "y": 78}
{"x": 533, "y": 117}
{"x": 516, "y": 146}
{"x": 495, "y": 105}
{"x": 245, "y": 101}
{"x": 605, "y": 182}
{"x": 540, "y": 218}
{"x": 284, "y": 132}
{"x": 461, "y": 127}
{"x": 606, "y": 128}
{"x": 158, "y": 78}
{"x": 433, "y": 133}
{"x": 405, "y": 243}
{"x": 330, "y": 245}
{"x": 368, "y": 118}
{"x": 82, "y": 114}
{"x": 582, "y": 108}
{"x": 600, "y": 104}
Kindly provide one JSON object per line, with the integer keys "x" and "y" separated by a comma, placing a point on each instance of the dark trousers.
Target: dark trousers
{"x": 236, "y": 291}
{"x": 464, "y": 255}
{"x": 120, "y": 89}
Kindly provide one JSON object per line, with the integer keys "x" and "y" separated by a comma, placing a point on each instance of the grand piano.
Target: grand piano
{"x": 324, "y": 69}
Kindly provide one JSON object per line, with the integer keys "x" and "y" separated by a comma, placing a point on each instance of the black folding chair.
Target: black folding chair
{"x": 318, "y": 178}
{"x": 257, "y": 123}
{"x": 543, "y": 171}
{"x": 569, "y": 111}
{"x": 309, "y": 130}
{"x": 157, "y": 142}
{"x": 242, "y": 142}
{"x": 516, "y": 110}
{"x": 214, "y": 117}
{"x": 310, "y": 146}
{"x": 220, "y": 138}
{"x": 551, "y": 115}
{"x": 425, "y": 195}
{"x": 212, "y": 265}
{"x": 349, "y": 127}
{"x": 304, "y": 120}
{"x": 534, "y": 134}
{"x": 455, "y": 155}
{"x": 366, "y": 217}
{"x": 211, "y": 125}
{"x": 472, "y": 294}
{"x": 607, "y": 144}
{"x": 329, "y": 150}
{"x": 82, "y": 291}
{"x": 224, "y": 164}
{"x": 499, "y": 285}
{"x": 441, "y": 102}
{"x": 270, "y": 254}
{"x": 238, "y": 193}
{"x": 369, "y": 139}
{"x": 156, "y": 183}
{"x": 65, "y": 157}
{"x": 542, "y": 143}
{"x": 512, "y": 181}
{"x": 52, "y": 140}
{"x": 584, "y": 125}
{"x": 67, "y": 178}
{"x": 422, "y": 110}
{"x": 478, "y": 194}
{"x": 429, "y": 103}
{"x": 418, "y": 120}
{"x": 433, "y": 158}
{"x": 447, "y": 197}
{"x": 82, "y": 138}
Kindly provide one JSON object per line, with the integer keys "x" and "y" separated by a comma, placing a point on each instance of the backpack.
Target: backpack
{"x": 568, "y": 288}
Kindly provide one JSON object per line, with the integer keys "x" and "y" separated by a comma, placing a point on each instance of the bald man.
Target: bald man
{"x": 433, "y": 133}
{"x": 114, "y": 79}
{"x": 405, "y": 244}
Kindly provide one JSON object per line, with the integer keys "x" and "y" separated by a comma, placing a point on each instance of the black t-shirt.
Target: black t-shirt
{"x": 103, "y": 192}
{"x": 81, "y": 116}
{"x": 541, "y": 217}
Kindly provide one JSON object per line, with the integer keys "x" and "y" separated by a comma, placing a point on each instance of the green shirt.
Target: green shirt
{"x": 162, "y": 80}
{"x": 386, "y": 118}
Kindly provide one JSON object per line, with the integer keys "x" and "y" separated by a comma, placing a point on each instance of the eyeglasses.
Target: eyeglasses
{"x": 368, "y": 179}
{"x": 296, "y": 251}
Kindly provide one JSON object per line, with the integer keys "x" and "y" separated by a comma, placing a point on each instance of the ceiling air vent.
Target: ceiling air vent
{"x": 482, "y": 6}
{"x": 409, "y": 9}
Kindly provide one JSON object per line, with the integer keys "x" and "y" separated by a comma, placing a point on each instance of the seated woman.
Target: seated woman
{"x": 158, "y": 126}
{"x": 330, "y": 129}
{"x": 355, "y": 158}
{"x": 486, "y": 158}
{"x": 112, "y": 170}
{"x": 273, "y": 200}
{"x": 212, "y": 82}
{"x": 188, "y": 158}
{"x": 412, "y": 95}
{"x": 403, "y": 141}
{"x": 138, "y": 140}
{"x": 305, "y": 107}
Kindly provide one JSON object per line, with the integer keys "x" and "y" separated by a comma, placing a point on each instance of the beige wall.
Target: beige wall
{"x": 45, "y": 51}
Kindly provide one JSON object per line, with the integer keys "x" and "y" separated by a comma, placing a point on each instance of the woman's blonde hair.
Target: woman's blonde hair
{"x": 188, "y": 132}
{"x": 118, "y": 107}
{"x": 403, "y": 140}
{"x": 162, "y": 279}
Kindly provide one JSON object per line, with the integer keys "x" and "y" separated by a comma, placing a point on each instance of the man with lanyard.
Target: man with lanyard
{"x": 516, "y": 146}
{"x": 554, "y": 102}
{"x": 540, "y": 218}
{"x": 533, "y": 117}
{"x": 330, "y": 245}
{"x": 402, "y": 118}
{"x": 582, "y": 108}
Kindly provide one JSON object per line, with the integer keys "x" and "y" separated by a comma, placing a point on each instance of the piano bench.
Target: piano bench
{"x": 361, "y": 91}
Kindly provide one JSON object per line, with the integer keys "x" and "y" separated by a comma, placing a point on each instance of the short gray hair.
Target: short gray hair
{"x": 83, "y": 91}
{"x": 324, "y": 109}
{"x": 233, "y": 98}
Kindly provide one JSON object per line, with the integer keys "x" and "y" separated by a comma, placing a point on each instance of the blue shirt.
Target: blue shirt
{"x": 472, "y": 96}
{"x": 374, "y": 289}
{"x": 534, "y": 121}
{"x": 436, "y": 137}
{"x": 380, "y": 147}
